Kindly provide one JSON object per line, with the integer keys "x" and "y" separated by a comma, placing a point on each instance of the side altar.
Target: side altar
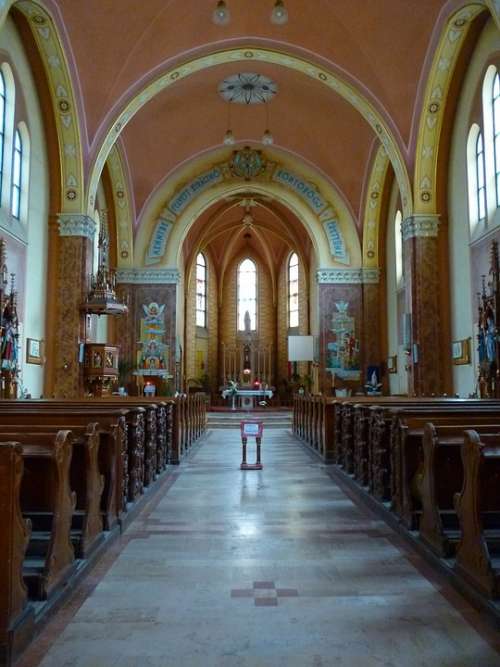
{"x": 152, "y": 353}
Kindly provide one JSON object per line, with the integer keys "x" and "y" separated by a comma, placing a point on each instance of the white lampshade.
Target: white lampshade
{"x": 229, "y": 139}
{"x": 221, "y": 14}
{"x": 267, "y": 138}
{"x": 279, "y": 15}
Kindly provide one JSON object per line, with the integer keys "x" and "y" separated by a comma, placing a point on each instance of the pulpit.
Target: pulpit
{"x": 101, "y": 368}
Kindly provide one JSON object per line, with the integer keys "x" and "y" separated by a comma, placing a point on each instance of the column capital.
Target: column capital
{"x": 76, "y": 224}
{"x": 347, "y": 276}
{"x": 420, "y": 225}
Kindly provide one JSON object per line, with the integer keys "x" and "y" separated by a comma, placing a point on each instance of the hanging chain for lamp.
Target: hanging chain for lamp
{"x": 267, "y": 137}
{"x": 222, "y": 16}
{"x": 229, "y": 139}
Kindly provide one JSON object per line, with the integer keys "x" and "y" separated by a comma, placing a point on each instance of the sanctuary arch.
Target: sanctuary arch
{"x": 207, "y": 209}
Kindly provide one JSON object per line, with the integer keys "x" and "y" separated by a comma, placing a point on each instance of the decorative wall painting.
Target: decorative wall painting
{"x": 152, "y": 354}
{"x": 343, "y": 347}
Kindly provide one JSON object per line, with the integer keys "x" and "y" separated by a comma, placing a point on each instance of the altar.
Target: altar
{"x": 246, "y": 397}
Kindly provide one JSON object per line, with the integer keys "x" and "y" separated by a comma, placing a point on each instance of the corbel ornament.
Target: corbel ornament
{"x": 76, "y": 225}
{"x": 420, "y": 226}
{"x": 148, "y": 276}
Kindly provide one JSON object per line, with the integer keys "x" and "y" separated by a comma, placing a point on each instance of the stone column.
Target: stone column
{"x": 422, "y": 289}
{"x": 74, "y": 266}
{"x": 372, "y": 348}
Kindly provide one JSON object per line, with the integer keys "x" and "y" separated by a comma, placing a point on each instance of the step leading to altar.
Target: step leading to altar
{"x": 281, "y": 419}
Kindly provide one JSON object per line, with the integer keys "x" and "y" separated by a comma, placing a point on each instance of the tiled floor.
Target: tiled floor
{"x": 262, "y": 569}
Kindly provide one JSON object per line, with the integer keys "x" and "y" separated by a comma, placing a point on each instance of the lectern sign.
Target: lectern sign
{"x": 251, "y": 429}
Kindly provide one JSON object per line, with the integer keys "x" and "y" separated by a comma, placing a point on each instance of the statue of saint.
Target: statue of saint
{"x": 248, "y": 322}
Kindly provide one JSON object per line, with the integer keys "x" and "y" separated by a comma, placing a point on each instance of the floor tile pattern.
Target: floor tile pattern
{"x": 264, "y": 593}
{"x": 262, "y": 569}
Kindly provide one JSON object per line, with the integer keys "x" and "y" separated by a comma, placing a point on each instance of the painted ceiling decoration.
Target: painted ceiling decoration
{"x": 248, "y": 88}
{"x": 247, "y": 163}
{"x": 270, "y": 171}
{"x": 268, "y": 58}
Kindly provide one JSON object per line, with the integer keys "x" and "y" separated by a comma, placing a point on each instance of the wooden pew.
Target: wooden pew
{"x": 407, "y": 449}
{"x": 14, "y": 537}
{"x": 478, "y": 509}
{"x": 113, "y": 449}
{"x": 157, "y": 441}
{"x": 85, "y": 479}
{"x": 442, "y": 478}
{"x": 136, "y": 435}
{"x": 49, "y": 503}
{"x": 188, "y": 423}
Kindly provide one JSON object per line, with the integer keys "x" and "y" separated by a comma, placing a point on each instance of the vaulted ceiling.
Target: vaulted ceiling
{"x": 250, "y": 223}
{"x": 380, "y": 47}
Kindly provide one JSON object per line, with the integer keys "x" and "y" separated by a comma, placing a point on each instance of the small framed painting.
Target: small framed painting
{"x": 34, "y": 351}
{"x": 392, "y": 364}
{"x": 460, "y": 351}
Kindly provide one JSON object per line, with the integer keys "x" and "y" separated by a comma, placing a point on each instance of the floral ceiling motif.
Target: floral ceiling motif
{"x": 248, "y": 88}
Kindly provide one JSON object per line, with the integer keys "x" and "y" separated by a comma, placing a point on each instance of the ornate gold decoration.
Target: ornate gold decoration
{"x": 123, "y": 208}
{"x": 47, "y": 39}
{"x": 247, "y": 163}
{"x": 373, "y": 206}
{"x": 436, "y": 92}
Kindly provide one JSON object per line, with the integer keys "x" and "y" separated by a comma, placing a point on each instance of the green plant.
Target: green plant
{"x": 125, "y": 368}
{"x": 166, "y": 388}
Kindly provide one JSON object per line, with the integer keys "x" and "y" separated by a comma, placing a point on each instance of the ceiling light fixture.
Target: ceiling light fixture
{"x": 279, "y": 15}
{"x": 221, "y": 14}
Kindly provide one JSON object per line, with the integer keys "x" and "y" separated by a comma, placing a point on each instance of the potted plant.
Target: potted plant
{"x": 125, "y": 368}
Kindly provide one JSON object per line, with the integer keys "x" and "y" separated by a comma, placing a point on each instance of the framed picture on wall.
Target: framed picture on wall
{"x": 392, "y": 364}
{"x": 34, "y": 351}
{"x": 460, "y": 351}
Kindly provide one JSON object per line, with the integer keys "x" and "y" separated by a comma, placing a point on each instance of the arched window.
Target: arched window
{"x": 398, "y": 247}
{"x": 17, "y": 176}
{"x": 480, "y": 178}
{"x": 95, "y": 248}
{"x": 201, "y": 291}
{"x": 495, "y": 104}
{"x": 293, "y": 291}
{"x": 476, "y": 177}
{"x": 247, "y": 295}
{"x": 3, "y": 107}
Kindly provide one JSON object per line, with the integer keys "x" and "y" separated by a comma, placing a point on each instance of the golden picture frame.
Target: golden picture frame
{"x": 460, "y": 352}
{"x": 392, "y": 364}
{"x": 34, "y": 351}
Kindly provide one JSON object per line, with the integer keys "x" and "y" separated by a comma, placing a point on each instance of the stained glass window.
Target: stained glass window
{"x": 247, "y": 294}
